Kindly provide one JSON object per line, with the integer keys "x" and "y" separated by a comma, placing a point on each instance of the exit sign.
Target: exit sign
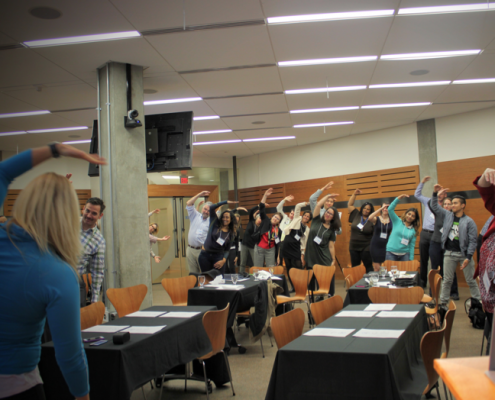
{"x": 184, "y": 180}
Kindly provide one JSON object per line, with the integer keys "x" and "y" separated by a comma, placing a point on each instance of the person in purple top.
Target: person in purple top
{"x": 427, "y": 231}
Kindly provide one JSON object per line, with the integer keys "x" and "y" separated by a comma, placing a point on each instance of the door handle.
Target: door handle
{"x": 176, "y": 237}
{"x": 183, "y": 233}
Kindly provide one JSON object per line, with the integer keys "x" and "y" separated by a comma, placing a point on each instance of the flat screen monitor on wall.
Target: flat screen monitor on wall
{"x": 168, "y": 142}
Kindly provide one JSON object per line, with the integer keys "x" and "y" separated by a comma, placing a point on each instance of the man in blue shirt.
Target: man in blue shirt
{"x": 199, "y": 222}
{"x": 427, "y": 231}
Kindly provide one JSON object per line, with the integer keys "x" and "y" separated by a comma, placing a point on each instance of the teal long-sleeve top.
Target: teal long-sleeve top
{"x": 400, "y": 231}
{"x": 36, "y": 285}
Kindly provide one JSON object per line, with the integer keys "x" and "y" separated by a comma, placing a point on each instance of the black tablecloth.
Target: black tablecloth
{"x": 353, "y": 368}
{"x": 358, "y": 293}
{"x": 116, "y": 370}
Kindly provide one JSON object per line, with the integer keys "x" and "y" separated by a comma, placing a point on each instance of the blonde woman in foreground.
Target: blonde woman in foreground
{"x": 39, "y": 251}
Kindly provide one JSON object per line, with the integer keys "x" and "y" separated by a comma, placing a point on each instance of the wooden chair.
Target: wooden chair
{"x": 278, "y": 270}
{"x": 92, "y": 315}
{"x": 323, "y": 310}
{"x": 177, "y": 288}
{"x": 449, "y": 318}
{"x": 300, "y": 279}
{"x": 411, "y": 266}
{"x": 215, "y": 324}
{"x": 88, "y": 280}
{"x": 127, "y": 300}
{"x": 396, "y": 296}
{"x": 349, "y": 281}
{"x": 324, "y": 276}
{"x": 431, "y": 281}
{"x": 432, "y": 313}
{"x": 288, "y": 326}
{"x": 431, "y": 347}
{"x": 356, "y": 272}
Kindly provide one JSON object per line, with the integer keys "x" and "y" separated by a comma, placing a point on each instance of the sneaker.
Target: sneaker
{"x": 455, "y": 296}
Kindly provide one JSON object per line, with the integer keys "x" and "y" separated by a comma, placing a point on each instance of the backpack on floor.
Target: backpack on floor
{"x": 474, "y": 310}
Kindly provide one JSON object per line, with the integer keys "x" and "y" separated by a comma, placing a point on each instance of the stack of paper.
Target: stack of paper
{"x": 329, "y": 332}
{"x": 144, "y": 330}
{"x": 146, "y": 314}
{"x": 379, "y": 333}
{"x": 380, "y": 307}
{"x": 106, "y": 328}
{"x": 356, "y": 314}
{"x": 397, "y": 314}
{"x": 180, "y": 314}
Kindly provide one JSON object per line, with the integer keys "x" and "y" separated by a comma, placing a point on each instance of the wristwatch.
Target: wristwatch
{"x": 53, "y": 149}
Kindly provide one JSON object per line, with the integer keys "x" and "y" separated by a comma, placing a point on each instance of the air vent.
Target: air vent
{"x": 192, "y": 28}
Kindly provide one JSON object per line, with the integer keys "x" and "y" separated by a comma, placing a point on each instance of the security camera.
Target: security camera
{"x": 130, "y": 120}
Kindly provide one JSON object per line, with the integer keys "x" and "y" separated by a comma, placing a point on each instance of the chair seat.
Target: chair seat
{"x": 431, "y": 311}
{"x": 206, "y": 356}
{"x": 286, "y": 299}
{"x": 318, "y": 292}
{"x": 426, "y": 299}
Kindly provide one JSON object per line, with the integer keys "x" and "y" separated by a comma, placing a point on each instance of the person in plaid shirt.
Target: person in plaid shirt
{"x": 93, "y": 244}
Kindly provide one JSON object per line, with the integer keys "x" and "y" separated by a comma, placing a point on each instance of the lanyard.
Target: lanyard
{"x": 318, "y": 234}
{"x": 363, "y": 221}
{"x": 220, "y": 235}
{"x": 404, "y": 227}
{"x": 383, "y": 225}
{"x": 274, "y": 236}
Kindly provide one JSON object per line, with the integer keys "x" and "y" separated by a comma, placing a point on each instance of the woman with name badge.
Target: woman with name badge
{"x": 220, "y": 234}
{"x": 320, "y": 247}
{"x": 400, "y": 246}
{"x": 361, "y": 232}
{"x": 383, "y": 227}
{"x": 296, "y": 237}
{"x": 267, "y": 237}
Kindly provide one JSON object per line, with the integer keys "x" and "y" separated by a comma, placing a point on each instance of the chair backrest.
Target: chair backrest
{"x": 324, "y": 276}
{"x": 300, "y": 279}
{"x": 92, "y": 315}
{"x": 215, "y": 324}
{"x": 411, "y": 266}
{"x": 356, "y": 272}
{"x": 88, "y": 281}
{"x": 396, "y": 296}
{"x": 349, "y": 281}
{"x": 287, "y": 327}
{"x": 431, "y": 347}
{"x": 278, "y": 270}
{"x": 127, "y": 300}
{"x": 436, "y": 288}
{"x": 449, "y": 319}
{"x": 322, "y": 310}
{"x": 431, "y": 277}
{"x": 177, "y": 288}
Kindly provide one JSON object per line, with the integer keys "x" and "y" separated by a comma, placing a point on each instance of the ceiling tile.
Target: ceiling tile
{"x": 374, "y": 126}
{"x": 210, "y": 125}
{"x": 403, "y": 115}
{"x": 248, "y": 105}
{"x": 473, "y": 92}
{"x": 320, "y": 117}
{"x": 38, "y": 122}
{"x": 314, "y": 135}
{"x": 270, "y": 121}
{"x": 319, "y": 100}
{"x": 402, "y": 95}
{"x": 169, "y": 85}
{"x": 199, "y": 108}
{"x": 10, "y": 104}
{"x": 264, "y": 133}
{"x": 482, "y": 67}
{"x": 227, "y": 83}
{"x": 443, "y": 110}
{"x": 215, "y": 48}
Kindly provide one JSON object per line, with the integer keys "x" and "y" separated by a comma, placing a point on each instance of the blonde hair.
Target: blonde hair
{"x": 48, "y": 210}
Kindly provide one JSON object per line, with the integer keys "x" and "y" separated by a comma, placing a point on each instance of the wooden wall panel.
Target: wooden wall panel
{"x": 82, "y": 195}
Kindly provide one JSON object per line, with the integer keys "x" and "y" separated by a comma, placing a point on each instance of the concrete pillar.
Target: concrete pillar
{"x": 427, "y": 148}
{"x": 224, "y": 185}
{"x": 123, "y": 180}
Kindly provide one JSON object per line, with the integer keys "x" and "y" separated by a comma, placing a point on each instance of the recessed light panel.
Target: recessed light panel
{"x": 292, "y": 19}
{"x": 209, "y": 132}
{"x": 171, "y": 101}
{"x": 396, "y": 105}
{"x": 320, "y": 61}
{"x": 429, "y": 55}
{"x": 24, "y": 114}
{"x": 217, "y": 142}
{"x": 102, "y": 37}
{"x": 473, "y": 81}
{"x": 408, "y": 84}
{"x": 326, "y": 89}
{"x": 447, "y": 9}
{"x": 324, "y": 124}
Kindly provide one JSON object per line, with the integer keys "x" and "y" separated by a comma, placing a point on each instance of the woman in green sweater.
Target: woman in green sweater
{"x": 400, "y": 246}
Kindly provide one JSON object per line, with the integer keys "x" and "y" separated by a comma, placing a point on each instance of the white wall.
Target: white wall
{"x": 466, "y": 135}
{"x": 388, "y": 148}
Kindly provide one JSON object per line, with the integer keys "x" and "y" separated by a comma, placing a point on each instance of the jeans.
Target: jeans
{"x": 192, "y": 256}
{"x": 207, "y": 261}
{"x": 450, "y": 261}
{"x": 363, "y": 256}
{"x": 424, "y": 254}
{"x": 395, "y": 257}
{"x": 262, "y": 256}
{"x": 436, "y": 257}
{"x": 230, "y": 261}
{"x": 245, "y": 252}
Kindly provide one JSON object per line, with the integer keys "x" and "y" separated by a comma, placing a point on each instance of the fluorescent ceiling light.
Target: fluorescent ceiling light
{"x": 24, "y": 114}
{"x": 170, "y": 101}
{"x": 324, "y": 90}
{"x": 434, "y": 54}
{"x": 82, "y": 39}
{"x": 469, "y": 81}
{"x": 410, "y": 84}
{"x": 70, "y": 128}
{"x": 208, "y": 132}
{"x": 218, "y": 142}
{"x": 269, "y": 138}
{"x": 447, "y": 9}
{"x": 170, "y": 177}
{"x": 320, "y": 61}
{"x": 78, "y": 141}
{"x": 330, "y": 16}
{"x": 207, "y": 117}
{"x": 12, "y": 133}
{"x": 324, "y": 110}
{"x": 397, "y": 105}
{"x": 324, "y": 124}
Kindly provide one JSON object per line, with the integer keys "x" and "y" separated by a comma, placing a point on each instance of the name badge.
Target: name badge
{"x": 383, "y": 235}
{"x": 360, "y": 226}
{"x": 232, "y": 248}
{"x": 405, "y": 242}
{"x": 220, "y": 241}
{"x": 297, "y": 237}
{"x": 317, "y": 240}
{"x": 441, "y": 230}
{"x": 432, "y": 216}
{"x": 277, "y": 240}
{"x": 486, "y": 281}
{"x": 451, "y": 234}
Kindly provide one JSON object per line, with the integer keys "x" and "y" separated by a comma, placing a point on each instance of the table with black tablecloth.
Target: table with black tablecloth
{"x": 353, "y": 368}
{"x": 116, "y": 370}
{"x": 358, "y": 293}
{"x": 240, "y": 300}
